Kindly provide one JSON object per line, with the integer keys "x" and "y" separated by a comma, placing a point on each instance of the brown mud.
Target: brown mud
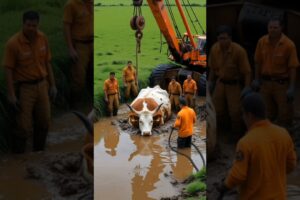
{"x": 53, "y": 174}
{"x": 130, "y": 166}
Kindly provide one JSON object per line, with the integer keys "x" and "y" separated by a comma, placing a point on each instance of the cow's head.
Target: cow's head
{"x": 145, "y": 118}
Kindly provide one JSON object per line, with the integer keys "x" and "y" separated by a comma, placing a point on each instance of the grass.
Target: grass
{"x": 197, "y": 186}
{"x": 115, "y": 42}
{"x": 51, "y": 12}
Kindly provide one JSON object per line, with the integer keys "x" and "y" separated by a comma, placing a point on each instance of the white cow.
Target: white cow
{"x": 151, "y": 108}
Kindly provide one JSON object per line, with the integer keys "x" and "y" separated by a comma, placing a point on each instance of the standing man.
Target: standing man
{"x": 263, "y": 156}
{"x": 229, "y": 70}
{"x": 112, "y": 94}
{"x": 130, "y": 80}
{"x": 190, "y": 91}
{"x": 186, "y": 118}
{"x": 79, "y": 35}
{"x": 175, "y": 92}
{"x": 30, "y": 81}
{"x": 275, "y": 71}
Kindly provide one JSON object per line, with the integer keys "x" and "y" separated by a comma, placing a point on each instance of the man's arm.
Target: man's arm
{"x": 51, "y": 80}
{"x": 11, "y": 95}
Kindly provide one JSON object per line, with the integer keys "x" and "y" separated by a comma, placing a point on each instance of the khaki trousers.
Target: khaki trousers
{"x": 131, "y": 88}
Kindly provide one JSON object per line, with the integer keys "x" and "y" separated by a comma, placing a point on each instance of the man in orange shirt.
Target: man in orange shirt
{"x": 78, "y": 29}
{"x": 229, "y": 71}
{"x": 186, "y": 118}
{"x": 275, "y": 71}
{"x": 30, "y": 82}
{"x": 112, "y": 94}
{"x": 130, "y": 80}
{"x": 263, "y": 156}
{"x": 175, "y": 92}
{"x": 190, "y": 91}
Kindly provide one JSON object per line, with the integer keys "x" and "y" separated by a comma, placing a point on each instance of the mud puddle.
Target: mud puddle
{"x": 130, "y": 166}
{"x": 53, "y": 174}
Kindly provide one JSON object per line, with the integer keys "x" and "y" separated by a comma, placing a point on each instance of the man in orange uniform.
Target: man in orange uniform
{"x": 30, "y": 81}
{"x": 112, "y": 94}
{"x": 175, "y": 92}
{"x": 78, "y": 30}
{"x": 130, "y": 80}
{"x": 263, "y": 156}
{"x": 275, "y": 70}
{"x": 190, "y": 91}
{"x": 186, "y": 118}
{"x": 229, "y": 70}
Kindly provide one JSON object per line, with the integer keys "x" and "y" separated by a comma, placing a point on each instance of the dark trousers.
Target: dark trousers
{"x": 184, "y": 142}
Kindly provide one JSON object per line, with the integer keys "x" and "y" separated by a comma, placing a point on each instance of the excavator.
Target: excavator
{"x": 187, "y": 51}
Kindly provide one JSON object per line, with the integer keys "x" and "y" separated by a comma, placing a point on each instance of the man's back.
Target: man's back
{"x": 264, "y": 156}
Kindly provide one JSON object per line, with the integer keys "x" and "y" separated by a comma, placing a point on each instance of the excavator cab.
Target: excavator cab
{"x": 202, "y": 44}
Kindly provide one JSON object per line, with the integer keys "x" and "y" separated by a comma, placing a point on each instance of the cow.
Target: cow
{"x": 150, "y": 108}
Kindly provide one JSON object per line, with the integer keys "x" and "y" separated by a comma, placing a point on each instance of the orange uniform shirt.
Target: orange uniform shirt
{"x": 231, "y": 65}
{"x": 263, "y": 157}
{"x": 27, "y": 60}
{"x": 185, "y": 120}
{"x": 276, "y": 61}
{"x": 189, "y": 86}
{"x": 129, "y": 73}
{"x": 79, "y": 14}
{"x": 111, "y": 87}
{"x": 174, "y": 88}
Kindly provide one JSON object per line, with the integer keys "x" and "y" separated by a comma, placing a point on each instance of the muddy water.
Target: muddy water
{"x": 14, "y": 181}
{"x": 135, "y": 167}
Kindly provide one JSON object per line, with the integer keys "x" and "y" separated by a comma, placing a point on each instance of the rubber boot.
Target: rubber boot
{"x": 18, "y": 145}
{"x": 39, "y": 140}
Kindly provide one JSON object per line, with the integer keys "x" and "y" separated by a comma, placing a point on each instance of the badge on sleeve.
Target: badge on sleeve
{"x": 239, "y": 156}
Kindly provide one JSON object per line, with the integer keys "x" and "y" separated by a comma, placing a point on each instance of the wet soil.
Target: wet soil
{"x": 56, "y": 173}
{"x": 130, "y": 166}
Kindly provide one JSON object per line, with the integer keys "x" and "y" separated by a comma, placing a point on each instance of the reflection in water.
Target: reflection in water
{"x": 182, "y": 168}
{"x": 111, "y": 141}
{"x": 142, "y": 184}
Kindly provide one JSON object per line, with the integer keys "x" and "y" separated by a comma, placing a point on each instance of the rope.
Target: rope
{"x": 187, "y": 11}
{"x": 173, "y": 19}
{"x": 197, "y": 20}
{"x": 189, "y": 158}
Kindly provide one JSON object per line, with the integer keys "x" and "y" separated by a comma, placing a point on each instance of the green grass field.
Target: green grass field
{"x": 115, "y": 41}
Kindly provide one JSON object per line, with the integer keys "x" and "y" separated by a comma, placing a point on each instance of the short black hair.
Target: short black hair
{"x": 253, "y": 103}
{"x": 31, "y": 15}
{"x": 182, "y": 101}
{"x": 129, "y": 61}
{"x": 276, "y": 18}
{"x": 224, "y": 29}
{"x": 112, "y": 73}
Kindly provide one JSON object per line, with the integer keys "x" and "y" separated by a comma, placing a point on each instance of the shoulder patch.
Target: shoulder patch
{"x": 239, "y": 156}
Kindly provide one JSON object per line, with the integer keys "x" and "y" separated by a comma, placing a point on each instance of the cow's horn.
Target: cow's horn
{"x": 87, "y": 123}
{"x": 157, "y": 108}
{"x": 132, "y": 109}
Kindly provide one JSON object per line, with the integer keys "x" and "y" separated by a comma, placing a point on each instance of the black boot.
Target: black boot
{"x": 39, "y": 140}
{"x": 18, "y": 145}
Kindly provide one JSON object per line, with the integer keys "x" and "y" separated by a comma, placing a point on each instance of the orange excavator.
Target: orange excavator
{"x": 187, "y": 50}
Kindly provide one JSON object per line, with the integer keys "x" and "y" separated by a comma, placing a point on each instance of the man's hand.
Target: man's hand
{"x": 290, "y": 94}
{"x": 73, "y": 55}
{"x": 106, "y": 99}
{"x": 125, "y": 84}
{"x": 52, "y": 93}
{"x": 13, "y": 101}
{"x": 256, "y": 84}
{"x": 194, "y": 97}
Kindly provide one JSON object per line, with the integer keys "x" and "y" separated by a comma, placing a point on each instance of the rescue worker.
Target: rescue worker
{"x": 186, "y": 118}
{"x": 263, "y": 156}
{"x": 275, "y": 72}
{"x": 78, "y": 31}
{"x": 30, "y": 83}
{"x": 112, "y": 94}
{"x": 190, "y": 91}
{"x": 175, "y": 92}
{"x": 130, "y": 81}
{"x": 229, "y": 71}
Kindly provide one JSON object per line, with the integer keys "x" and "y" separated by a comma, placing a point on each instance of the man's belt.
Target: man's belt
{"x": 175, "y": 94}
{"x": 31, "y": 82}
{"x": 84, "y": 41}
{"x": 230, "y": 82}
{"x": 275, "y": 79}
{"x": 189, "y": 93}
{"x": 129, "y": 81}
{"x": 111, "y": 94}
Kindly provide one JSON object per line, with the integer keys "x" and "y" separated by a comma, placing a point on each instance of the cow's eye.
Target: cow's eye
{"x": 141, "y": 122}
{"x": 151, "y": 122}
